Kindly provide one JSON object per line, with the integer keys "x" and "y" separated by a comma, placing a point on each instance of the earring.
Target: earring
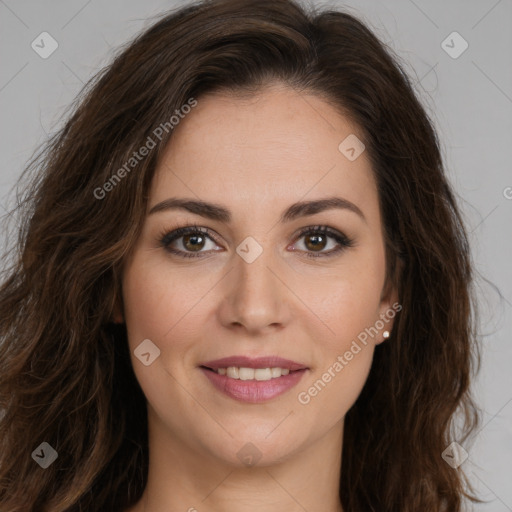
{"x": 385, "y": 335}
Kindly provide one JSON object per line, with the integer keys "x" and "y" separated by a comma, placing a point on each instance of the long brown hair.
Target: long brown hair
{"x": 65, "y": 372}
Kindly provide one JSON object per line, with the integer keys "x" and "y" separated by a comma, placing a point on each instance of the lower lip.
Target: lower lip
{"x": 253, "y": 391}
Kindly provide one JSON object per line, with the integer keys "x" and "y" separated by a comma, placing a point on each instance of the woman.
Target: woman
{"x": 242, "y": 282}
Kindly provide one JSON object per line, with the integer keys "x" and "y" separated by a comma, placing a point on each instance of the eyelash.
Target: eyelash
{"x": 167, "y": 237}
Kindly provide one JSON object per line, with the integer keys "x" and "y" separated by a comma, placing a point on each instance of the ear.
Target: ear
{"x": 389, "y": 307}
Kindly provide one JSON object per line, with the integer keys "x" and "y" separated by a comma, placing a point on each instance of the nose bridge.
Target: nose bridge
{"x": 255, "y": 294}
{"x": 252, "y": 271}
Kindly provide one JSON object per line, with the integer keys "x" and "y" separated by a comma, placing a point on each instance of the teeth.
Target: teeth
{"x": 263, "y": 374}
{"x": 246, "y": 373}
{"x": 234, "y": 372}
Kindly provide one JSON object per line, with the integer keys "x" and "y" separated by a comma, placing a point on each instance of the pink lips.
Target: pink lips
{"x": 253, "y": 391}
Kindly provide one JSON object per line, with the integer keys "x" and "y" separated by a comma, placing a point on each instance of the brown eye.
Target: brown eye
{"x": 315, "y": 242}
{"x": 318, "y": 238}
{"x": 188, "y": 241}
{"x": 193, "y": 242}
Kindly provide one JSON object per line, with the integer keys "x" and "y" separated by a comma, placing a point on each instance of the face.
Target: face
{"x": 260, "y": 285}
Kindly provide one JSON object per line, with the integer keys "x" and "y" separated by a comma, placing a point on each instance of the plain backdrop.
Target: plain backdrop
{"x": 468, "y": 94}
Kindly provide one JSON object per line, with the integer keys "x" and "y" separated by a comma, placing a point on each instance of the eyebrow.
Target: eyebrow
{"x": 220, "y": 213}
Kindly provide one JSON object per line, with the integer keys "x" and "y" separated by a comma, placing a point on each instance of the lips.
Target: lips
{"x": 230, "y": 376}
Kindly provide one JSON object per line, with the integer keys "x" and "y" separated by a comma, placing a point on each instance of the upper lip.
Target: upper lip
{"x": 256, "y": 362}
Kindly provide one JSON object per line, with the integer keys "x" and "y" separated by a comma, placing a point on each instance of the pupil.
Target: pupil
{"x": 187, "y": 239}
{"x": 318, "y": 242}
{"x": 315, "y": 244}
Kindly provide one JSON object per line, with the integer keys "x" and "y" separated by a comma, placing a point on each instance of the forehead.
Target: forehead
{"x": 279, "y": 145}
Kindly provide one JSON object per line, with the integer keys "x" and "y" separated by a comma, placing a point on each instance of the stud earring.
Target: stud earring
{"x": 385, "y": 335}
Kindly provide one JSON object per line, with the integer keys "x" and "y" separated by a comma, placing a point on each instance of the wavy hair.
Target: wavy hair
{"x": 65, "y": 371}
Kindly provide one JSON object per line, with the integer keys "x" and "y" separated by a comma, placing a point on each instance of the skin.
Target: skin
{"x": 255, "y": 157}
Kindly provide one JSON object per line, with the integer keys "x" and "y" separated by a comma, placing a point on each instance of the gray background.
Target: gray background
{"x": 469, "y": 99}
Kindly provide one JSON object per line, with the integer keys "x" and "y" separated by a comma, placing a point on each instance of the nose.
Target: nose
{"x": 256, "y": 297}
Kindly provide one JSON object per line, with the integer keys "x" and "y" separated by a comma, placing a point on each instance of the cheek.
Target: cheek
{"x": 348, "y": 303}
{"x": 347, "y": 300}
{"x": 158, "y": 302}
{"x": 353, "y": 308}
{"x": 333, "y": 388}
{"x": 345, "y": 355}
{"x": 159, "y": 306}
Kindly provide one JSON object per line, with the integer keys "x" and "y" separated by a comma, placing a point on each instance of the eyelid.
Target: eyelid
{"x": 170, "y": 235}
{"x": 343, "y": 241}
{"x": 178, "y": 232}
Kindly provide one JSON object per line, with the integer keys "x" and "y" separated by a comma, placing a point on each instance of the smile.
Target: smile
{"x": 253, "y": 380}
{"x": 241, "y": 373}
